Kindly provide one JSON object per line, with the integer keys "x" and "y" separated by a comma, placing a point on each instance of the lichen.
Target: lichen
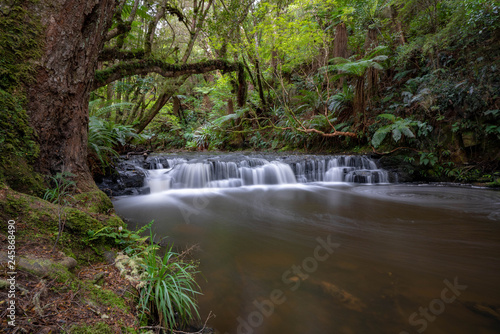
{"x": 131, "y": 269}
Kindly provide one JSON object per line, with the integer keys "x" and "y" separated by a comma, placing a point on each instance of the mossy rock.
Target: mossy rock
{"x": 39, "y": 219}
{"x": 79, "y": 222}
{"x": 43, "y": 267}
{"x": 94, "y": 201}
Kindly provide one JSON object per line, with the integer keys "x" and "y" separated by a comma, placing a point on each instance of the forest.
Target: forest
{"x": 415, "y": 83}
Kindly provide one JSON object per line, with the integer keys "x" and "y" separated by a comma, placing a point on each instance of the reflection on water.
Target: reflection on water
{"x": 338, "y": 258}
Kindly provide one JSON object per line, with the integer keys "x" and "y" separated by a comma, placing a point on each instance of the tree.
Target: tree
{"x": 358, "y": 69}
{"x": 78, "y": 37}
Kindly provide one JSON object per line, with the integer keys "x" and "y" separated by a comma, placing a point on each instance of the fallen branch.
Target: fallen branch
{"x": 144, "y": 153}
{"x": 394, "y": 150}
{"x": 324, "y": 134}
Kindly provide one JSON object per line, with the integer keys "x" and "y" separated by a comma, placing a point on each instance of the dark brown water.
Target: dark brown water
{"x": 337, "y": 258}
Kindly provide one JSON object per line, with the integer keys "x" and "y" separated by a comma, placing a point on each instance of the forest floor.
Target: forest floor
{"x": 91, "y": 298}
{"x": 71, "y": 290}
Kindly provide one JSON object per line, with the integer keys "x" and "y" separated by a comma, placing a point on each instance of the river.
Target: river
{"x": 333, "y": 256}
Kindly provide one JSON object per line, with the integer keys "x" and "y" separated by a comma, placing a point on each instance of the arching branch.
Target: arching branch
{"x": 167, "y": 70}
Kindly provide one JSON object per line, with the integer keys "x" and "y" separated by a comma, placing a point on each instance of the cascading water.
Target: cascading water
{"x": 181, "y": 173}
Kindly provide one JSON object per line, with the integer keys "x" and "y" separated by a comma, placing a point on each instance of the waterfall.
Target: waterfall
{"x": 214, "y": 172}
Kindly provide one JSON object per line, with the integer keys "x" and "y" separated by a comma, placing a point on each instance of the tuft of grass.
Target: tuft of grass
{"x": 169, "y": 295}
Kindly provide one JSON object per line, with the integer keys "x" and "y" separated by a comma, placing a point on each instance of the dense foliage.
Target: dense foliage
{"x": 331, "y": 76}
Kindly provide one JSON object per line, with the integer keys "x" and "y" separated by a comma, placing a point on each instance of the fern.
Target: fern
{"x": 398, "y": 127}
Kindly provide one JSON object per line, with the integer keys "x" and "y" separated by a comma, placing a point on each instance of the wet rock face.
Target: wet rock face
{"x": 128, "y": 179}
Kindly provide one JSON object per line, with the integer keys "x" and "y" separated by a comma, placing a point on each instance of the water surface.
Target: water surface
{"x": 398, "y": 258}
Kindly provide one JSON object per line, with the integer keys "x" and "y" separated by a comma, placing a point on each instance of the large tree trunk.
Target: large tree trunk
{"x": 58, "y": 98}
{"x": 340, "y": 46}
{"x": 340, "y": 41}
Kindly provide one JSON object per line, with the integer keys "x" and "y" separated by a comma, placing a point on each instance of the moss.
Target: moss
{"x": 20, "y": 46}
{"x": 37, "y": 217}
{"x": 45, "y": 267}
{"x": 98, "y": 328}
{"x": 105, "y": 297}
{"x": 17, "y": 147}
{"x": 94, "y": 201}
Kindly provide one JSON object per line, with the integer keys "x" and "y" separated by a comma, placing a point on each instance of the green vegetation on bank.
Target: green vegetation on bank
{"x": 418, "y": 80}
{"x": 160, "y": 286}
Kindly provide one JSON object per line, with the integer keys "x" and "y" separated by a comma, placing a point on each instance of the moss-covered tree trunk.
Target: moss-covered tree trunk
{"x": 74, "y": 32}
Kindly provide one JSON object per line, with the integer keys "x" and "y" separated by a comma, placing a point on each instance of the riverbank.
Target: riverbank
{"x": 76, "y": 268}
{"x": 71, "y": 289}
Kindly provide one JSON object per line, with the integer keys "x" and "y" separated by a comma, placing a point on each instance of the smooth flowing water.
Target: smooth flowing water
{"x": 310, "y": 255}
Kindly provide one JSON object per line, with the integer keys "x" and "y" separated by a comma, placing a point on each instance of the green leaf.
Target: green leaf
{"x": 379, "y": 136}
{"x": 396, "y": 134}
{"x": 390, "y": 117}
{"x": 407, "y": 132}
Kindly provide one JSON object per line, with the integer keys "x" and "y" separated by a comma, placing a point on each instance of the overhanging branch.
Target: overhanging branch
{"x": 167, "y": 70}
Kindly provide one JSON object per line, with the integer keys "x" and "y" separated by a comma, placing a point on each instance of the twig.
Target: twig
{"x": 201, "y": 330}
{"x": 394, "y": 150}
{"x": 210, "y": 315}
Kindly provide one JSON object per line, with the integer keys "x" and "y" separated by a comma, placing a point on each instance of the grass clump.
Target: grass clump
{"x": 169, "y": 295}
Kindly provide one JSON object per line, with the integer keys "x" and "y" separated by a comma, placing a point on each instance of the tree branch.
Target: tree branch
{"x": 167, "y": 70}
{"x": 121, "y": 28}
{"x": 323, "y": 134}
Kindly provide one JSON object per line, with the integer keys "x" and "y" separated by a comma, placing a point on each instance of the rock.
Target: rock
{"x": 68, "y": 262}
{"x": 41, "y": 267}
{"x": 126, "y": 180}
{"x": 132, "y": 179}
{"x": 98, "y": 277}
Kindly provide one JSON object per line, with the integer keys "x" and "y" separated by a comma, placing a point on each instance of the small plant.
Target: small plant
{"x": 132, "y": 242}
{"x": 170, "y": 289}
{"x": 428, "y": 159}
{"x": 191, "y": 145}
{"x": 59, "y": 195}
{"x": 63, "y": 187}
